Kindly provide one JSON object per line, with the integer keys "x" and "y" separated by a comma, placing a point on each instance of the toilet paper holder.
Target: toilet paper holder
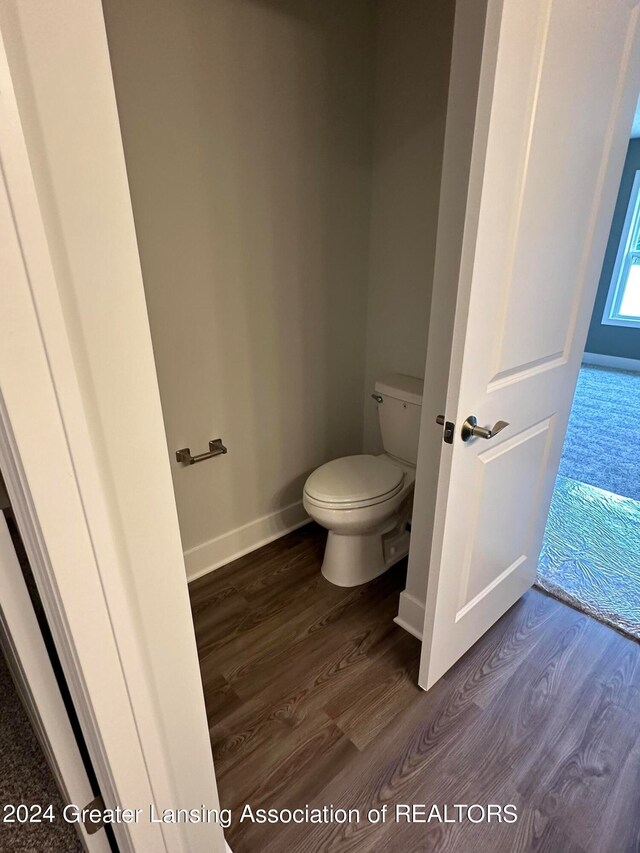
{"x": 216, "y": 448}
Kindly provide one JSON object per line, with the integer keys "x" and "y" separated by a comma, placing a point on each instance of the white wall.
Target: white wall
{"x": 247, "y": 133}
{"x": 413, "y": 52}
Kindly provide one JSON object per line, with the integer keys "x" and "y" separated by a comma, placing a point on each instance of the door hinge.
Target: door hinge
{"x": 91, "y": 827}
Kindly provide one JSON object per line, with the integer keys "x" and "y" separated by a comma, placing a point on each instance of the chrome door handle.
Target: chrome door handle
{"x": 470, "y": 429}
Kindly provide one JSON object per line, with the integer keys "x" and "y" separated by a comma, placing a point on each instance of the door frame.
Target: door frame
{"x": 141, "y": 710}
{"x": 36, "y": 684}
{"x": 39, "y": 477}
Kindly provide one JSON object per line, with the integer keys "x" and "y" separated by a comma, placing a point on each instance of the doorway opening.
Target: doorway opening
{"x": 590, "y": 552}
{"x": 261, "y": 252}
{"x": 284, "y": 160}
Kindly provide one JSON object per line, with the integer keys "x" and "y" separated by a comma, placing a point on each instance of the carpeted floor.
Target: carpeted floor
{"x": 602, "y": 445}
{"x": 591, "y": 552}
{"x": 25, "y": 777}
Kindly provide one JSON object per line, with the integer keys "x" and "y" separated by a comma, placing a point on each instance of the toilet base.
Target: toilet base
{"x": 350, "y": 560}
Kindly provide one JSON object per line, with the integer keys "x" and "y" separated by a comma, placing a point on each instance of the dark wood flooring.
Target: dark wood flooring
{"x": 312, "y": 698}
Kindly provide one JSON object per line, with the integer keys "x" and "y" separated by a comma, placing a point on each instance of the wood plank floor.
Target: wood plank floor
{"x": 312, "y": 698}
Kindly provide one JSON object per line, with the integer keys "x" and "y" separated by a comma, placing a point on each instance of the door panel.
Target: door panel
{"x": 552, "y": 123}
{"x": 491, "y": 557}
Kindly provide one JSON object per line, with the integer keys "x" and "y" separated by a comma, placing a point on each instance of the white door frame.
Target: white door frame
{"x": 35, "y": 681}
{"x": 126, "y": 645}
{"x": 39, "y": 474}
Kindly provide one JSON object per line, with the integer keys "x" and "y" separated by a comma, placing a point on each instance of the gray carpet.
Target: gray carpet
{"x": 25, "y": 777}
{"x": 602, "y": 445}
{"x": 591, "y": 553}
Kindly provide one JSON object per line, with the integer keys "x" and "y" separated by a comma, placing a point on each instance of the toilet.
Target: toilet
{"x": 365, "y": 501}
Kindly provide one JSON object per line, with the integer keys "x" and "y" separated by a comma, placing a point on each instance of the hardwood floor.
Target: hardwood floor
{"x": 312, "y": 698}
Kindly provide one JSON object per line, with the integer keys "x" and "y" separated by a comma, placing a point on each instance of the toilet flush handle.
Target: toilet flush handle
{"x": 378, "y": 398}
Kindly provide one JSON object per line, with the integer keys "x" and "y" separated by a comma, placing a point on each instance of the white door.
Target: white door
{"x": 558, "y": 87}
{"x": 36, "y": 683}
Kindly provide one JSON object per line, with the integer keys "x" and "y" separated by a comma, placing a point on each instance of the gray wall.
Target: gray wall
{"x": 284, "y": 162}
{"x": 619, "y": 341}
{"x": 413, "y": 57}
{"x": 247, "y": 134}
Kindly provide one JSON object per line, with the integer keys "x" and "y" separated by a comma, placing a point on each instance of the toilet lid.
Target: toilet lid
{"x": 354, "y": 478}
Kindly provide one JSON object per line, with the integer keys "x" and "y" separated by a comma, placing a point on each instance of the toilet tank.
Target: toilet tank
{"x": 399, "y": 414}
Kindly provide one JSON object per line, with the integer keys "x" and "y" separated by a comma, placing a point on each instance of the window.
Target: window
{"x": 623, "y": 302}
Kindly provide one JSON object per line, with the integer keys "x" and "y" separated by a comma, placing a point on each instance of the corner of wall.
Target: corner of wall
{"x": 413, "y": 55}
{"x": 243, "y": 540}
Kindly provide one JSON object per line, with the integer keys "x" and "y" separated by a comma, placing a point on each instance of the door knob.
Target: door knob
{"x": 470, "y": 429}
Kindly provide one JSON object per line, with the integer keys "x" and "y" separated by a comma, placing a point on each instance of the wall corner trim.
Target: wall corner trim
{"x": 236, "y": 543}
{"x": 410, "y": 614}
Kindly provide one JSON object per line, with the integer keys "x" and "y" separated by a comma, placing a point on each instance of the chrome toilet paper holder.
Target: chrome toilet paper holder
{"x": 216, "y": 448}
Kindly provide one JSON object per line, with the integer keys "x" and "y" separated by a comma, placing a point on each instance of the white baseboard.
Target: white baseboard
{"x": 236, "y": 543}
{"x": 615, "y": 361}
{"x": 410, "y": 614}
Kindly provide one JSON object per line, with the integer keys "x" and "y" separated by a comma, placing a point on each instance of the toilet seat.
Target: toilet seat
{"x": 353, "y": 482}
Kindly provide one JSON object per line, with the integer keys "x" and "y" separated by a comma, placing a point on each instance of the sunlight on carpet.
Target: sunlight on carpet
{"x": 591, "y": 551}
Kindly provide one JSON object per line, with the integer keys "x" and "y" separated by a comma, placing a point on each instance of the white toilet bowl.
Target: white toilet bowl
{"x": 365, "y": 503}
